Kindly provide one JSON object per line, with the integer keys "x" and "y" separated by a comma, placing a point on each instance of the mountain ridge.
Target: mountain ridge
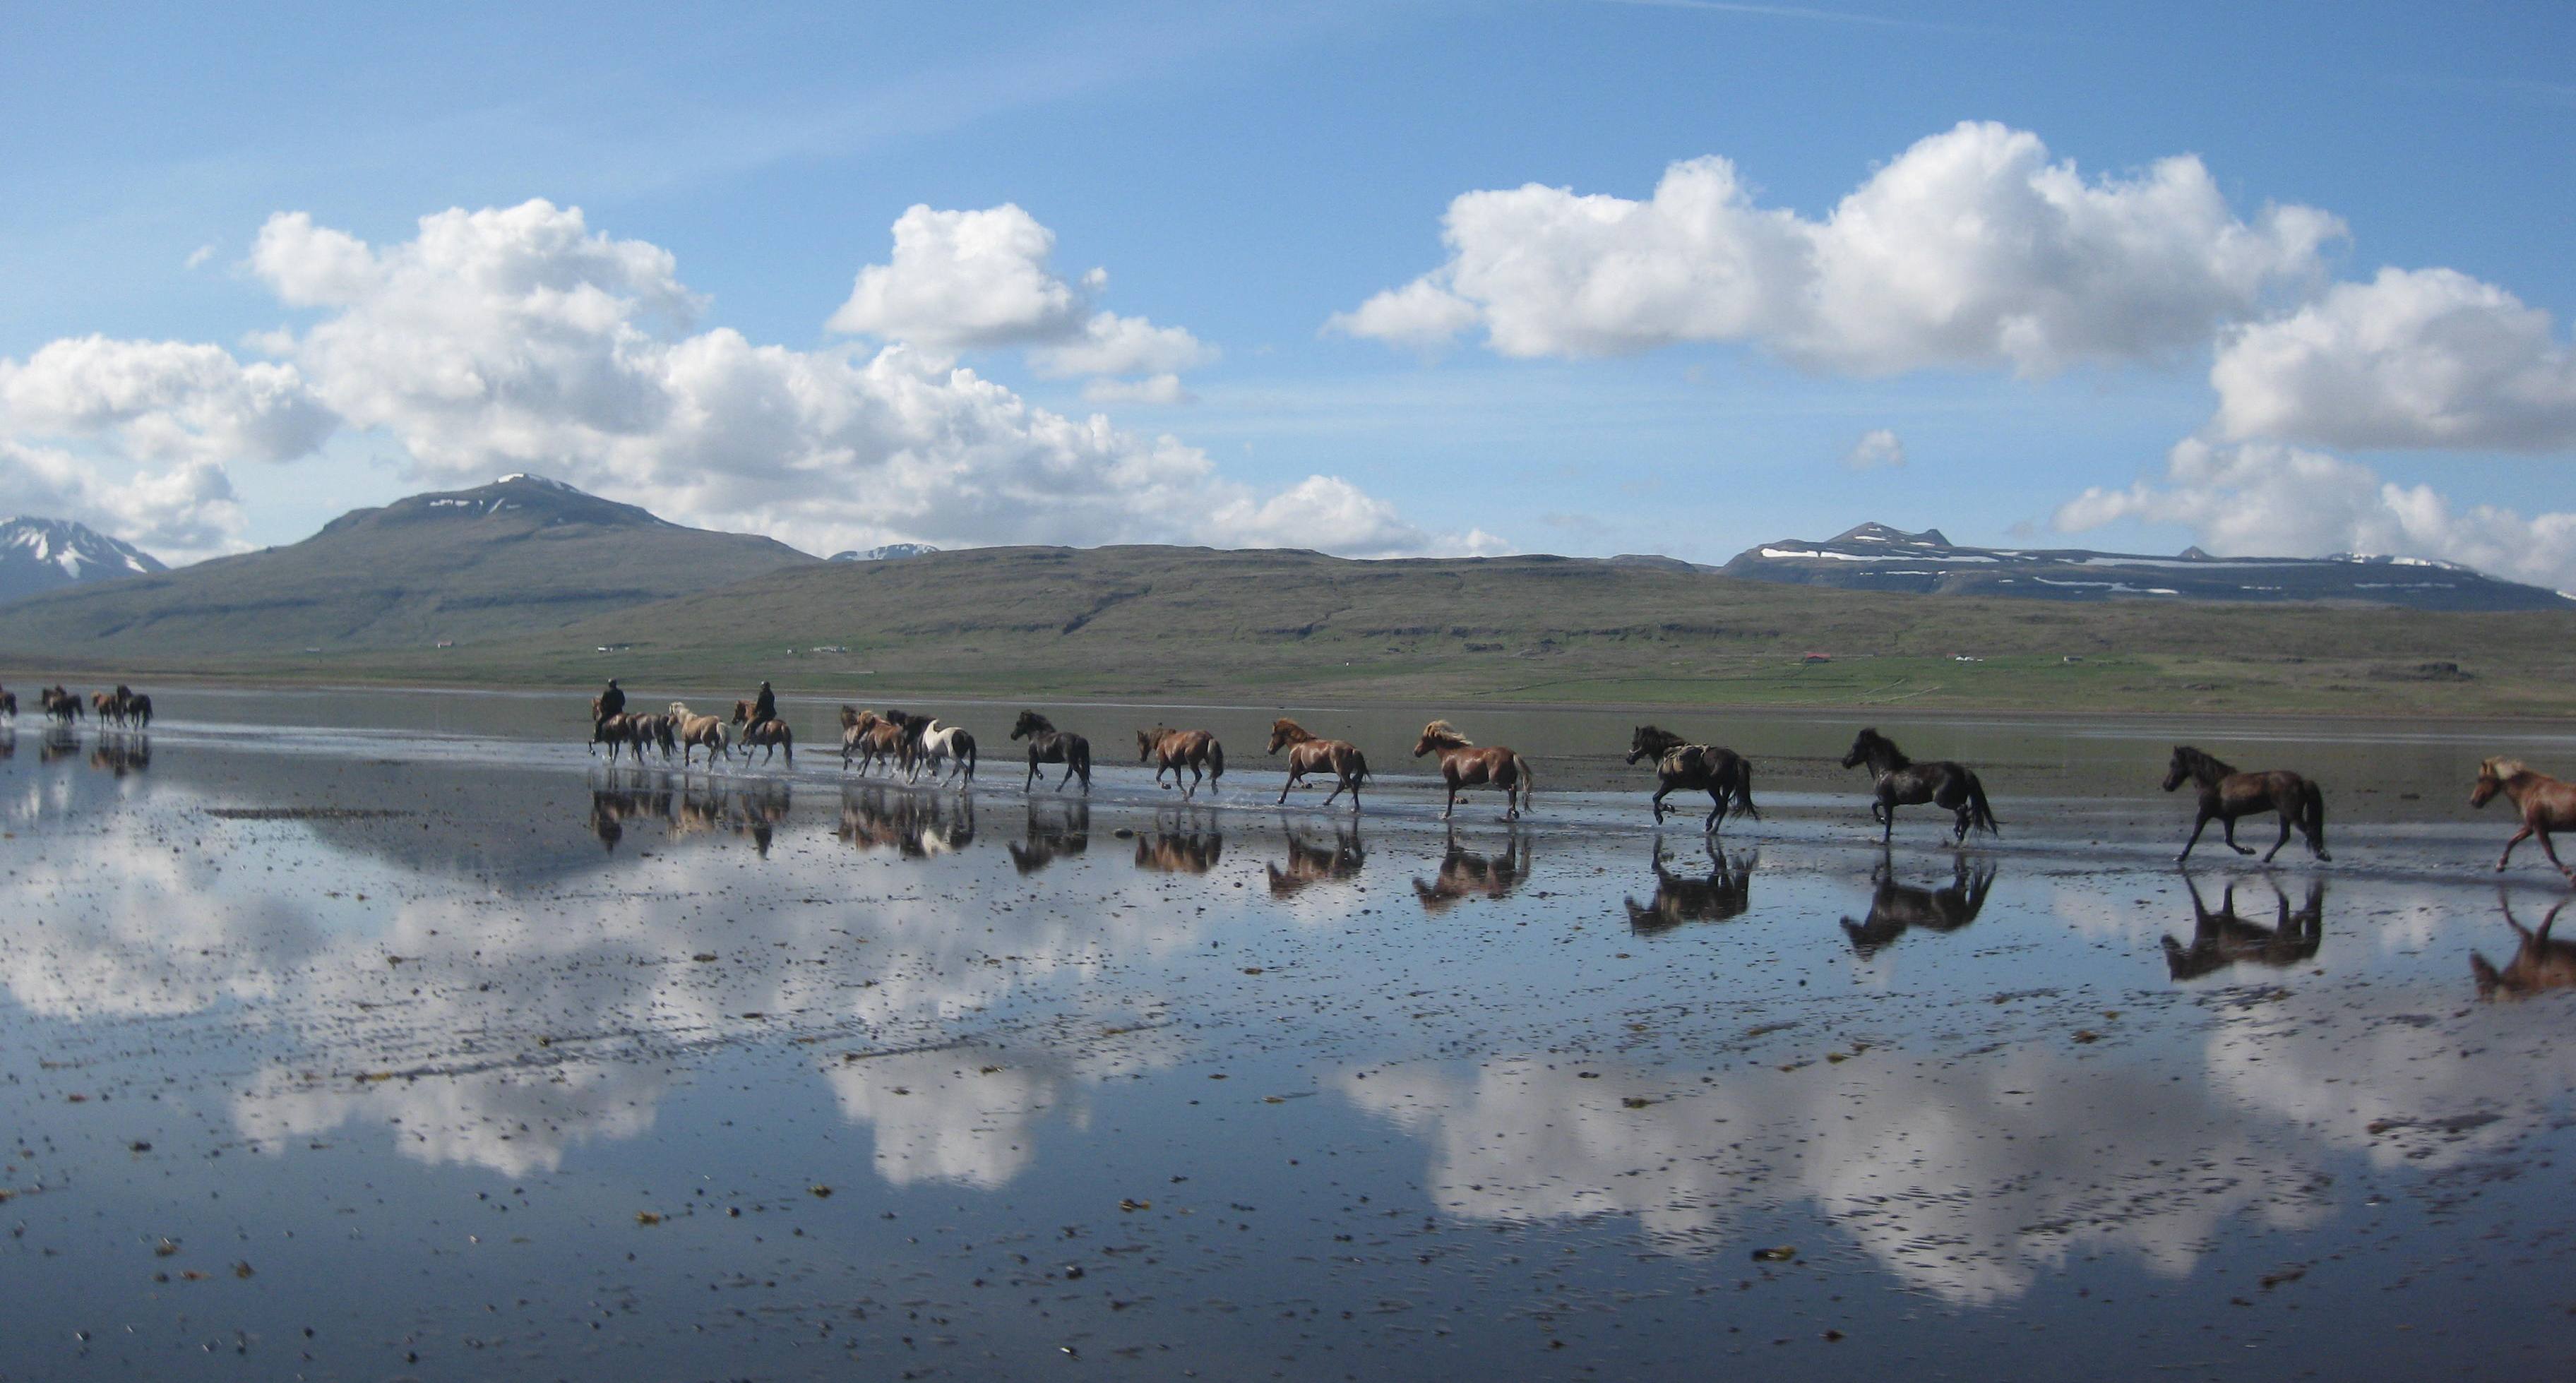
{"x": 42, "y": 554}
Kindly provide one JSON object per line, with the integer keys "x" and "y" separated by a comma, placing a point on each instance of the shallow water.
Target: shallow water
{"x": 486, "y": 1060}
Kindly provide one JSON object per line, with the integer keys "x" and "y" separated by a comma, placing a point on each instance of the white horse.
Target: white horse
{"x": 696, "y": 730}
{"x": 940, "y": 745}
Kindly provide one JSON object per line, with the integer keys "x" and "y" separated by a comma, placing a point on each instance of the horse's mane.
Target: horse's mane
{"x": 1036, "y": 721}
{"x": 1895, "y": 756}
{"x": 2503, "y": 767}
{"x": 1443, "y": 730}
{"x": 2197, "y": 762}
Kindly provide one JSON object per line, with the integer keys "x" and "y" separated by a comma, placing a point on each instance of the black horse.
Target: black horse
{"x": 1896, "y": 908}
{"x": 2226, "y": 794}
{"x": 1726, "y": 776}
{"x": 1899, "y": 781}
{"x": 1049, "y": 745}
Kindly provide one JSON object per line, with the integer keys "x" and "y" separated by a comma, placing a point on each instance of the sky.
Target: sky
{"x": 1383, "y": 279}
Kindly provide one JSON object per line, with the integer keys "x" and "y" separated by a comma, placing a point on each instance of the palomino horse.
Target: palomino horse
{"x": 1898, "y": 781}
{"x": 1721, "y": 897}
{"x": 771, "y": 734}
{"x": 2547, "y": 805}
{"x": 871, "y": 739}
{"x": 945, "y": 746}
{"x": 1308, "y": 752}
{"x": 2538, "y": 963}
{"x": 1896, "y": 908}
{"x": 1465, "y": 873}
{"x": 695, "y": 730}
{"x": 1726, "y": 776}
{"x": 1173, "y": 750}
{"x": 1463, "y": 765}
{"x": 1049, "y": 745}
{"x": 2222, "y": 938}
{"x": 2226, "y": 794}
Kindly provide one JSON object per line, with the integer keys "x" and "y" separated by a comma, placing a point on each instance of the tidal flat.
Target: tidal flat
{"x": 363, "y": 1036}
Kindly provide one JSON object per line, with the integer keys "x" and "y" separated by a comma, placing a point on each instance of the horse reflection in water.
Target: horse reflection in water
{"x": 121, "y": 752}
{"x": 686, "y": 805}
{"x": 1055, "y": 830}
{"x": 2539, "y": 963}
{"x": 1465, "y": 873}
{"x": 1895, "y": 908}
{"x": 914, "y": 825}
{"x": 1182, "y": 842}
{"x": 1679, "y": 898}
{"x": 2222, "y": 938}
{"x": 1311, "y": 861}
{"x": 58, "y": 742}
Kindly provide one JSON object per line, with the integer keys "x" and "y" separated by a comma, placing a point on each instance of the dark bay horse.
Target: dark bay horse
{"x": 61, "y": 705}
{"x": 2226, "y": 794}
{"x": 1171, "y": 750}
{"x": 1049, "y": 745}
{"x": 2222, "y": 938}
{"x": 2546, "y": 804}
{"x": 1895, "y": 908}
{"x": 1898, "y": 781}
{"x": 1308, "y": 751}
{"x": 771, "y": 734}
{"x": 1726, "y": 776}
{"x": 2538, "y": 963}
{"x": 617, "y": 732}
{"x": 1722, "y": 896}
{"x": 1463, "y": 765}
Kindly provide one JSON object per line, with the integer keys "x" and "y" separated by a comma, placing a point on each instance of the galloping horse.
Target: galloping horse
{"x": 1899, "y": 782}
{"x": 771, "y": 734}
{"x": 1463, "y": 765}
{"x": 650, "y": 731}
{"x": 138, "y": 710}
{"x": 2538, "y": 963}
{"x": 1049, "y": 745}
{"x": 617, "y": 732}
{"x": 869, "y": 738}
{"x": 942, "y": 745}
{"x": 1173, "y": 750}
{"x": 1308, "y": 752}
{"x": 695, "y": 730}
{"x": 61, "y": 705}
{"x": 2546, "y": 803}
{"x": 2227, "y": 794}
{"x": 1723, "y": 774}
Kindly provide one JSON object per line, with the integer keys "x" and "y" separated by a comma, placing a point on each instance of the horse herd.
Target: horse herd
{"x": 123, "y": 708}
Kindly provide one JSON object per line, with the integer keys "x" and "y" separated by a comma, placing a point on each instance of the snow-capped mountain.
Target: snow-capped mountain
{"x": 41, "y": 554}
{"x": 890, "y": 552}
{"x": 1876, "y": 557}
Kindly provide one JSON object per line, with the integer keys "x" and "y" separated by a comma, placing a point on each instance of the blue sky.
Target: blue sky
{"x": 1244, "y": 173}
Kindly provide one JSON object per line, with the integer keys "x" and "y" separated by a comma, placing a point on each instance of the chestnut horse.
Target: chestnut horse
{"x": 1463, "y": 765}
{"x": 2226, "y": 794}
{"x": 771, "y": 734}
{"x": 1897, "y": 781}
{"x": 1049, "y": 745}
{"x": 871, "y": 739}
{"x": 2546, "y": 803}
{"x": 1173, "y": 750}
{"x": 1308, "y": 751}
{"x": 1723, "y": 774}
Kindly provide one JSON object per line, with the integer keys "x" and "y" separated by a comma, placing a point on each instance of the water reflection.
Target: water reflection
{"x": 2539, "y": 962}
{"x": 686, "y": 804}
{"x": 1723, "y": 895}
{"x": 2221, "y": 939}
{"x": 1053, "y": 830}
{"x": 915, "y": 825}
{"x": 1183, "y": 841}
{"x": 58, "y": 742}
{"x": 1895, "y": 909}
{"x": 1466, "y": 873}
{"x": 1311, "y": 860}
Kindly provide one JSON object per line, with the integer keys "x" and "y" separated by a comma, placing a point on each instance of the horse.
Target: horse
{"x": 695, "y": 730}
{"x": 1312, "y": 862}
{"x": 9, "y": 704}
{"x": 1899, "y": 781}
{"x": 771, "y": 734}
{"x": 1466, "y": 874}
{"x": 870, "y": 738}
{"x": 2546, "y": 804}
{"x": 2227, "y": 794}
{"x": 1173, "y": 750}
{"x": 2222, "y": 938}
{"x": 138, "y": 710}
{"x": 61, "y": 706}
{"x": 1723, "y": 774}
{"x": 909, "y": 729}
{"x": 617, "y": 732}
{"x": 1463, "y": 765}
{"x": 650, "y": 731}
{"x": 1049, "y": 745}
{"x": 106, "y": 708}
{"x": 1308, "y": 752}
{"x": 1679, "y": 898}
{"x": 944, "y": 745}
{"x": 2538, "y": 963}
{"x": 1895, "y": 908}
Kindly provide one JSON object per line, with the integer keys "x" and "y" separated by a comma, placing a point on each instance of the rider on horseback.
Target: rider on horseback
{"x": 766, "y": 706}
{"x": 611, "y": 702}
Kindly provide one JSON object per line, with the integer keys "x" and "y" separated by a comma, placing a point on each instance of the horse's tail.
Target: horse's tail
{"x": 1359, "y": 767}
{"x": 963, "y": 744}
{"x": 1980, "y": 813}
{"x": 1521, "y": 770}
{"x": 1744, "y": 789}
{"x": 1216, "y": 761}
{"x": 2312, "y": 816}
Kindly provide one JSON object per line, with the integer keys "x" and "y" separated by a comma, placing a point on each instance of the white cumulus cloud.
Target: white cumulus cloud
{"x": 1972, "y": 248}
{"x": 1878, "y": 449}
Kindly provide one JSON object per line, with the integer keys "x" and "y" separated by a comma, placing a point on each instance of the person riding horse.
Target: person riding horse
{"x": 611, "y": 702}
{"x": 766, "y": 706}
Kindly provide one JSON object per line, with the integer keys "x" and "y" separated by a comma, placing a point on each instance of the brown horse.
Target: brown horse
{"x": 695, "y": 730}
{"x": 1173, "y": 750}
{"x": 1895, "y": 908}
{"x": 2222, "y": 938}
{"x": 1308, "y": 752}
{"x": 1463, "y": 765}
{"x": 2546, "y": 803}
{"x": 771, "y": 734}
{"x": 2538, "y": 963}
{"x": 1465, "y": 873}
{"x": 1726, "y": 776}
{"x": 871, "y": 739}
{"x": 1679, "y": 898}
{"x": 2226, "y": 794}
{"x": 1049, "y": 745}
{"x": 1897, "y": 781}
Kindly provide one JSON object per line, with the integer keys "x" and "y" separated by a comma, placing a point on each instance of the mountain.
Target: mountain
{"x": 890, "y": 552}
{"x": 519, "y": 555}
{"x": 1875, "y": 557}
{"x": 42, "y": 554}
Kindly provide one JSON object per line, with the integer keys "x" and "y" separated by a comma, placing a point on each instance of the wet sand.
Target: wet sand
{"x": 358, "y": 1048}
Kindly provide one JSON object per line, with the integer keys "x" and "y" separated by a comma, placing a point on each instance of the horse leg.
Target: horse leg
{"x": 1887, "y": 814}
{"x": 2230, "y": 823}
{"x": 1292, "y": 782}
{"x": 1453, "y": 802}
{"x": 1717, "y": 814}
{"x": 2552, "y": 851}
{"x": 1658, "y": 801}
{"x": 2518, "y": 838}
{"x": 2196, "y": 828}
{"x": 1031, "y": 780}
{"x": 2285, "y": 837}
